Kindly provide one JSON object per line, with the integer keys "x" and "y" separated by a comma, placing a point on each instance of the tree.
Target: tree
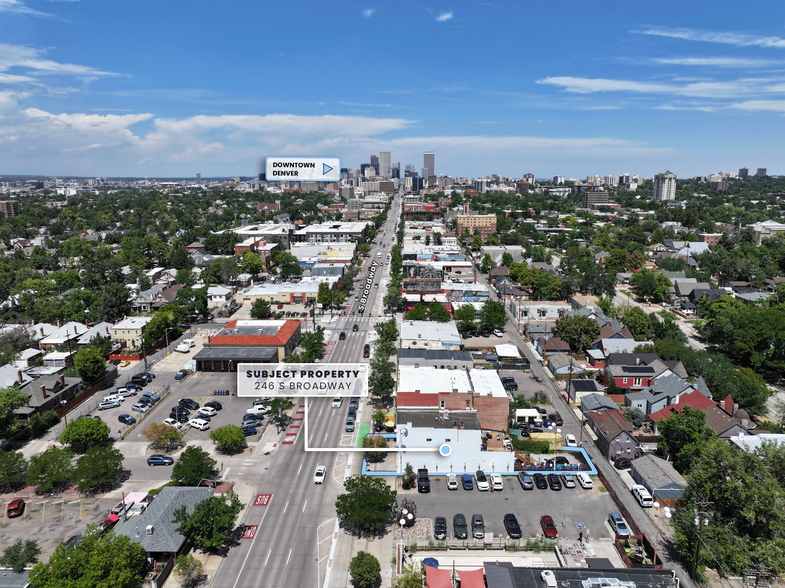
{"x": 97, "y": 561}
{"x": 638, "y": 323}
{"x": 683, "y": 435}
{"x": 252, "y": 263}
{"x": 288, "y": 264}
{"x": 408, "y": 479}
{"x": 98, "y": 467}
{"x": 410, "y": 577}
{"x": 81, "y": 434}
{"x": 476, "y": 242}
{"x": 210, "y": 522}
{"x": 90, "y": 364}
{"x": 648, "y": 284}
{"x": 10, "y": 399}
{"x": 228, "y": 439}
{"x": 185, "y": 277}
{"x": 374, "y": 442}
{"x": 261, "y": 309}
{"x": 507, "y": 259}
{"x": 381, "y": 381}
{"x": 750, "y": 391}
{"x": 50, "y": 469}
{"x": 367, "y": 505}
{"x": 194, "y": 465}
{"x": 103, "y": 344}
{"x": 578, "y": 331}
{"x": 163, "y": 436}
{"x": 19, "y": 555}
{"x": 313, "y": 345}
{"x": 221, "y": 271}
{"x": 365, "y": 570}
{"x": 464, "y": 316}
{"x": 418, "y": 313}
{"x": 13, "y": 469}
{"x": 486, "y": 264}
{"x": 324, "y": 296}
{"x": 439, "y": 313}
{"x": 492, "y": 315}
{"x": 188, "y": 569}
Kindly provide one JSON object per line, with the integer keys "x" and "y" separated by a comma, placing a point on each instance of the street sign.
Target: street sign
{"x": 303, "y": 169}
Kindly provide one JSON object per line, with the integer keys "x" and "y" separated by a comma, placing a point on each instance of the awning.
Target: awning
{"x": 437, "y": 578}
{"x": 471, "y": 578}
{"x": 506, "y": 350}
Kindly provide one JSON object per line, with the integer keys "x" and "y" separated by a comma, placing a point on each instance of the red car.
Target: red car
{"x": 550, "y": 530}
{"x": 15, "y": 508}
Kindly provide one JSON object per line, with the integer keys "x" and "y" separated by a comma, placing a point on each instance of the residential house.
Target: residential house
{"x": 633, "y": 377}
{"x": 99, "y": 330}
{"x": 195, "y": 246}
{"x": 562, "y": 365}
{"x": 725, "y": 418}
{"x": 664, "y": 391}
{"x": 66, "y": 335}
{"x": 660, "y": 478}
{"x": 592, "y": 401}
{"x": 128, "y": 332}
{"x": 551, "y": 346}
{"x": 47, "y": 393}
{"x": 614, "y": 433}
{"x": 217, "y": 295}
{"x": 608, "y": 332}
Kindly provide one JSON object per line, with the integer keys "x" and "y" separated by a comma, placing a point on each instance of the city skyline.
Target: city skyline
{"x": 96, "y": 90}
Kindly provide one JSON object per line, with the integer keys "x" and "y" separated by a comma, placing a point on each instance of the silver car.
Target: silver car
{"x": 107, "y": 404}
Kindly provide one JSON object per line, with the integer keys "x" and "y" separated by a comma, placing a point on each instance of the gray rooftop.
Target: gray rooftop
{"x": 436, "y": 420}
{"x": 164, "y": 537}
{"x": 243, "y": 353}
{"x": 435, "y": 354}
{"x": 597, "y": 402}
{"x": 658, "y": 473}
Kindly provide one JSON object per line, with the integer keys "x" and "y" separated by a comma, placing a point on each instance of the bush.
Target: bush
{"x": 40, "y": 424}
{"x": 531, "y": 446}
{"x": 408, "y": 479}
{"x": 541, "y": 397}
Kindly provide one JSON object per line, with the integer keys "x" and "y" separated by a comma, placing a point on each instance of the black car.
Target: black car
{"x": 114, "y": 362}
{"x": 622, "y": 463}
{"x": 507, "y": 379}
{"x": 214, "y": 404}
{"x": 140, "y": 379}
{"x": 342, "y": 336}
{"x": 540, "y": 481}
{"x": 157, "y": 459}
{"x": 554, "y": 481}
{"x": 353, "y": 401}
{"x": 126, "y": 419}
{"x": 556, "y": 418}
{"x": 188, "y": 403}
{"x": 131, "y": 385}
{"x": 512, "y": 386}
{"x": 181, "y": 375}
{"x": 179, "y": 417}
{"x": 541, "y": 410}
{"x": 249, "y": 431}
{"x": 181, "y": 409}
{"x": 150, "y": 377}
{"x": 367, "y": 350}
{"x": 355, "y": 328}
{"x": 512, "y": 526}
{"x": 556, "y": 461}
{"x": 440, "y": 528}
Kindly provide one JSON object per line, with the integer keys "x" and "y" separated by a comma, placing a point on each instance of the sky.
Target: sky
{"x": 174, "y": 88}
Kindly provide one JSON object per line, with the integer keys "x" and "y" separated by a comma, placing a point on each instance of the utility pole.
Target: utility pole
{"x": 700, "y": 522}
{"x": 757, "y": 576}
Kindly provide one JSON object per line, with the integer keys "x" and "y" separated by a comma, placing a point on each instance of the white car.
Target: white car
{"x": 173, "y": 423}
{"x": 207, "y": 410}
{"x": 452, "y": 482}
{"x": 498, "y": 333}
{"x": 569, "y": 441}
{"x": 259, "y": 410}
{"x": 482, "y": 481}
{"x": 200, "y": 424}
{"x": 584, "y": 480}
{"x": 496, "y": 482}
{"x": 124, "y": 392}
{"x": 337, "y": 401}
{"x": 320, "y": 474}
{"x": 114, "y": 398}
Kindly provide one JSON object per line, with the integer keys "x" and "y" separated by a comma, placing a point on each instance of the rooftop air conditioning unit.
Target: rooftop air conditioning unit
{"x": 149, "y": 530}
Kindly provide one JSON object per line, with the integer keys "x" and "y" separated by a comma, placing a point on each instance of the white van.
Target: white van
{"x": 182, "y": 348}
{"x": 584, "y": 480}
{"x": 189, "y": 342}
{"x": 642, "y": 496}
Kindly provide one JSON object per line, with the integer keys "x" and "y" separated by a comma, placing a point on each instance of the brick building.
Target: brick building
{"x": 484, "y": 223}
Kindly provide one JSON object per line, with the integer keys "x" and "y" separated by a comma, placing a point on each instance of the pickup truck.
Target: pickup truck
{"x": 423, "y": 483}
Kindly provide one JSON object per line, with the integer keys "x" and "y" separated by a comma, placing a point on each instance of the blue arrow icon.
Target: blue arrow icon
{"x": 325, "y": 169}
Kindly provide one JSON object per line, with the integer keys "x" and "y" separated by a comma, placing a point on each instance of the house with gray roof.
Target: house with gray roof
{"x": 154, "y": 530}
{"x": 663, "y": 391}
{"x": 660, "y": 478}
{"x": 596, "y": 401}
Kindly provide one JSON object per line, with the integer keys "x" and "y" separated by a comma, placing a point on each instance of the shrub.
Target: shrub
{"x": 531, "y": 446}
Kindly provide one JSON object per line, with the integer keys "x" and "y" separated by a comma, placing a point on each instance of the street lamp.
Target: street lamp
{"x": 668, "y": 514}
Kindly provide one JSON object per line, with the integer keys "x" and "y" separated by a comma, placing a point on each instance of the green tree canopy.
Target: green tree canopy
{"x": 261, "y": 309}
{"x": 10, "y": 399}
{"x": 193, "y": 466}
{"x": 98, "y": 467}
{"x": 210, "y": 522}
{"x": 90, "y": 364}
{"x": 438, "y": 313}
{"x": 252, "y": 263}
{"x": 228, "y": 439}
{"x": 20, "y": 555}
{"x": 638, "y": 323}
{"x": 492, "y": 315}
{"x": 50, "y": 469}
{"x": 365, "y": 570}
{"x": 367, "y": 505}
{"x": 650, "y": 285}
{"x": 486, "y": 264}
{"x": 418, "y": 313}
{"x": 578, "y": 331}
{"x": 683, "y": 435}
{"x": 13, "y": 469}
{"x": 81, "y": 434}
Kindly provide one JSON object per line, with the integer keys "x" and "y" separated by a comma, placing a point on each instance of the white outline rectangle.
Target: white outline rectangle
{"x": 303, "y": 380}
{"x": 302, "y": 169}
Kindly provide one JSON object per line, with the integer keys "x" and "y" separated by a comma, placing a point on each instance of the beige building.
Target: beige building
{"x": 484, "y": 223}
{"x": 129, "y": 331}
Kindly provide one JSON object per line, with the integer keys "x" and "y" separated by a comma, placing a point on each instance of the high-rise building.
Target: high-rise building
{"x": 557, "y": 180}
{"x": 384, "y": 164}
{"x": 664, "y": 186}
{"x": 761, "y": 173}
{"x": 594, "y": 197}
{"x": 429, "y": 163}
{"x": 409, "y": 167}
{"x": 374, "y": 160}
{"x": 744, "y": 172}
{"x": 199, "y": 179}
{"x": 9, "y": 208}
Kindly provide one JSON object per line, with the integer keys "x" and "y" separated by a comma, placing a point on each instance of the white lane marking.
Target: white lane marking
{"x": 300, "y": 469}
{"x": 304, "y": 505}
{"x": 268, "y": 556}
{"x": 287, "y": 506}
{"x": 288, "y": 557}
{"x": 250, "y": 549}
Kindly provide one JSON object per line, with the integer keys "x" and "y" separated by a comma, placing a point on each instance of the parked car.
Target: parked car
{"x": 188, "y": 403}
{"x": 207, "y": 411}
{"x": 178, "y": 416}
{"x": 158, "y": 459}
{"x": 622, "y": 463}
{"x": 105, "y": 405}
{"x": 540, "y": 481}
{"x": 125, "y": 363}
{"x": 181, "y": 375}
{"x": 568, "y": 480}
{"x": 525, "y": 480}
{"x": 556, "y": 418}
{"x": 214, "y": 404}
{"x": 459, "y": 528}
{"x": 440, "y": 528}
{"x": 249, "y": 431}
{"x": 114, "y": 398}
{"x": 125, "y": 392}
{"x": 584, "y": 480}
{"x": 252, "y": 422}
{"x": 142, "y": 379}
{"x": 482, "y": 481}
{"x": 151, "y": 396}
{"x": 452, "y": 482}
{"x": 15, "y": 508}
{"x": 507, "y": 379}
{"x": 554, "y": 482}
{"x": 512, "y": 526}
{"x": 570, "y": 441}
{"x": 173, "y": 423}
{"x": 512, "y": 386}
{"x": 200, "y": 424}
{"x": 478, "y": 526}
{"x": 320, "y": 474}
{"x": 498, "y": 333}
{"x": 126, "y": 419}
{"x": 257, "y": 410}
{"x": 140, "y": 407}
{"x": 467, "y": 482}
{"x": 133, "y": 386}
{"x": 618, "y": 525}
{"x": 541, "y": 410}
{"x": 181, "y": 410}
{"x": 548, "y": 528}
{"x": 497, "y": 483}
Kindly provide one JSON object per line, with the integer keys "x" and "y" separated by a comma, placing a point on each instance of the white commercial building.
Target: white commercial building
{"x": 664, "y": 186}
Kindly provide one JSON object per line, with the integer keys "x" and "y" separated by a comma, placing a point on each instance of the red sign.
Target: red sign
{"x": 262, "y": 499}
{"x": 249, "y": 531}
{"x": 332, "y": 342}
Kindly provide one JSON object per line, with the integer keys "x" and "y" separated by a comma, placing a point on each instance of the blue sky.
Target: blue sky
{"x": 172, "y": 88}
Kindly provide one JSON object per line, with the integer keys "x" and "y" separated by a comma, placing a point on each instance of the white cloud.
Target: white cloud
{"x": 32, "y": 60}
{"x": 368, "y": 12}
{"x": 738, "y": 39}
{"x": 704, "y": 89}
{"x": 761, "y": 105}
{"x": 719, "y": 62}
{"x": 17, "y": 6}
{"x": 444, "y": 16}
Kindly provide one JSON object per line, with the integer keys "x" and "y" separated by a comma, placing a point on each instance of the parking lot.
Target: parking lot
{"x": 569, "y": 507}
